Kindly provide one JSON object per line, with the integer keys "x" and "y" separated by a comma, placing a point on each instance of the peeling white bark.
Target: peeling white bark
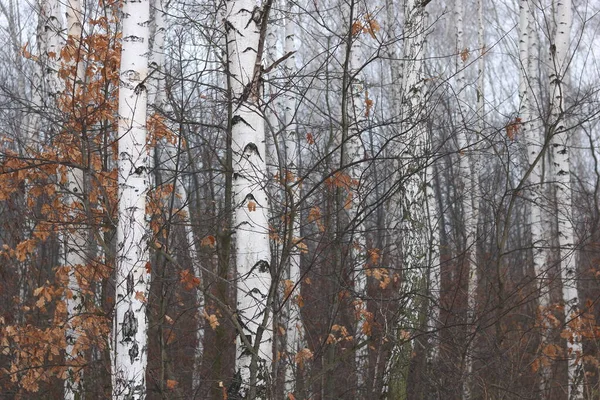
{"x": 355, "y": 155}
{"x": 74, "y": 258}
{"x": 419, "y": 238}
{"x": 294, "y": 324}
{"x": 51, "y": 43}
{"x": 253, "y": 258}
{"x": 130, "y": 323}
{"x": 532, "y": 131}
{"x": 561, "y": 170}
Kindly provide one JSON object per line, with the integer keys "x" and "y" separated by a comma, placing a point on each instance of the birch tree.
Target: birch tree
{"x": 468, "y": 195}
{"x": 130, "y": 322}
{"x": 419, "y": 240}
{"x": 529, "y": 87}
{"x": 353, "y": 113}
{"x": 75, "y": 238}
{"x": 294, "y": 323}
{"x": 561, "y": 145}
{"x": 245, "y": 25}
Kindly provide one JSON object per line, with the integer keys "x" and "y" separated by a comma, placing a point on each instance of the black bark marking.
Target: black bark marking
{"x": 134, "y": 351}
{"x": 233, "y": 390}
{"x": 130, "y": 284}
{"x": 129, "y": 326}
{"x": 252, "y": 148}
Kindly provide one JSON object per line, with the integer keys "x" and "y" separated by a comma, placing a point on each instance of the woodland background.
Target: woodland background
{"x": 428, "y": 176}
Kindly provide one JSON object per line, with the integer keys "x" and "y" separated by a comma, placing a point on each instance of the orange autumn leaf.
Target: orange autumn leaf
{"x": 551, "y": 351}
{"x": 288, "y": 287}
{"x": 140, "y": 296}
{"x": 314, "y": 215}
{"x": 300, "y": 301}
{"x": 464, "y": 54}
{"x": 171, "y": 384}
{"x": 212, "y": 319}
{"x": 367, "y": 328}
{"x": 372, "y": 26}
{"x": 513, "y": 128}
{"x": 188, "y": 280}
{"x": 300, "y": 245}
{"x": 302, "y": 356}
{"x": 251, "y": 206}
{"x": 208, "y": 241}
{"x": 374, "y": 255}
{"x": 535, "y": 365}
{"x": 368, "y": 105}
{"x": 357, "y": 28}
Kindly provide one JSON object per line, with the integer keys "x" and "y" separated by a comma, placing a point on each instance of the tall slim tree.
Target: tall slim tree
{"x": 130, "y": 322}
{"x": 352, "y": 121}
{"x": 294, "y": 323}
{"x": 529, "y": 86}
{"x": 468, "y": 194}
{"x": 560, "y": 141}
{"x": 75, "y": 236}
{"x": 418, "y": 239}
{"x": 245, "y": 25}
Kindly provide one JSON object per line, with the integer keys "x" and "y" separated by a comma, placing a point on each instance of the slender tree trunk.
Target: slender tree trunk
{"x": 294, "y": 324}
{"x": 75, "y": 245}
{"x": 415, "y": 164}
{"x": 130, "y": 323}
{"x": 561, "y": 170}
{"x": 245, "y": 25}
{"x": 528, "y": 87}
{"x": 468, "y": 193}
{"x": 355, "y": 109}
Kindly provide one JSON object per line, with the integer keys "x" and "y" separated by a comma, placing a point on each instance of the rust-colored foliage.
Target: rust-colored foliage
{"x": 79, "y": 136}
{"x": 513, "y": 128}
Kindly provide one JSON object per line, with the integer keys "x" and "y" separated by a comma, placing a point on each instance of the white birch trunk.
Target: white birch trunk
{"x": 561, "y": 170}
{"x": 394, "y": 206}
{"x": 130, "y": 323}
{"x": 468, "y": 186}
{"x": 355, "y": 155}
{"x": 294, "y": 324}
{"x": 52, "y": 45}
{"x": 75, "y": 237}
{"x": 253, "y": 259}
{"x": 417, "y": 238}
{"x": 74, "y": 254}
{"x": 414, "y": 156}
{"x": 434, "y": 267}
{"x": 528, "y": 86}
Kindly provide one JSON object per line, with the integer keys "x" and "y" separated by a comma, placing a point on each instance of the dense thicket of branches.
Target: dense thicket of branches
{"x": 346, "y": 199}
